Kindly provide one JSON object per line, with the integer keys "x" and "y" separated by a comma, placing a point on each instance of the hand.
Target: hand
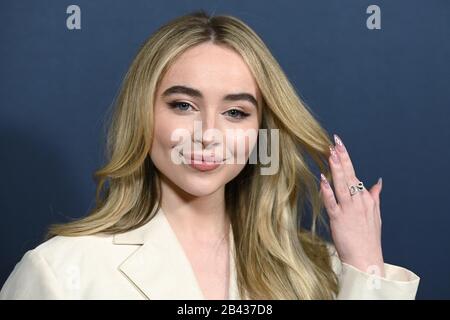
{"x": 355, "y": 221}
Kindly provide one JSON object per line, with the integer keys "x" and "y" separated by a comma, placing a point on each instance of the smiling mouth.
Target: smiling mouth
{"x": 196, "y": 159}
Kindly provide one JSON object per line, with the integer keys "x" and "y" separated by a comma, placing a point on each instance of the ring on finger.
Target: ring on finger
{"x": 354, "y": 189}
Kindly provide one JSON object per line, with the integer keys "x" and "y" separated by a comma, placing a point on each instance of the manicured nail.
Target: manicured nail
{"x": 334, "y": 155}
{"x": 324, "y": 179}
{"x": 339, "y": 145}
{"x": 380, "y": 181}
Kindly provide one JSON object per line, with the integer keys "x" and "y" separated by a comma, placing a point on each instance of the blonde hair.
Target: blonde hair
{"x": 275, "y": 258}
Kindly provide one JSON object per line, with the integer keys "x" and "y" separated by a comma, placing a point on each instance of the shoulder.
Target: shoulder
{"x": 60, "y": 250}
{"x": 43, "y": 271}
{"x": 63, "y": 247}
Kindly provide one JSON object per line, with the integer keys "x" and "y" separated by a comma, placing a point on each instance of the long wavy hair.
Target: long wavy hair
{"x": 275, "y": 256}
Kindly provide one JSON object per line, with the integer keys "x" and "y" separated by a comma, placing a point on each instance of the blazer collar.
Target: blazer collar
{"x": 159, "y": 268}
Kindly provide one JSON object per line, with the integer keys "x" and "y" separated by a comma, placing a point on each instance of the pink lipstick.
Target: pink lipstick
{"x": 202, "y": 162}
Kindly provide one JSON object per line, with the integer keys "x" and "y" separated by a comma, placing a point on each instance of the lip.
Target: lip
{"x": 202, "y": 162}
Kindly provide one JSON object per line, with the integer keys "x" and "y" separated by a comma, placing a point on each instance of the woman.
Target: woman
{"x": 178, "y": 216}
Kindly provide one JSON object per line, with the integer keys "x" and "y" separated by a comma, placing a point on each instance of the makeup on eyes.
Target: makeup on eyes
{"x": 175, "y": 105}
{"x": 180, "y": 89}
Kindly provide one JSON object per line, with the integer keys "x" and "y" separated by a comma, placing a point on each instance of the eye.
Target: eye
{"x": 181, "y": 106}
{"x": 237, "y": 114}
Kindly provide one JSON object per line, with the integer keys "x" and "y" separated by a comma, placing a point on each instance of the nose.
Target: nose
{"x": 205, "y": 130}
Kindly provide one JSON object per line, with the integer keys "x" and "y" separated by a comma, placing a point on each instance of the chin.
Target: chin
{"x": 200, "y": 189}
{"x": 198, "y": 183}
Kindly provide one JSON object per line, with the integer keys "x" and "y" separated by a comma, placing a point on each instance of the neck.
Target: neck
{"x": 197, "y": 218}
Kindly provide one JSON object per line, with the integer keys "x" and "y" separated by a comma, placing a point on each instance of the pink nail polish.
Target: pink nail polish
{"x": 339, "y": 145}
{"x": 324, "y": 179}
{"x": 380, "y": 181}
{"x": 334, "y": 155}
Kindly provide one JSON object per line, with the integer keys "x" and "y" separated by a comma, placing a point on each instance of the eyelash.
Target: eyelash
{"x": 242, "y": 114}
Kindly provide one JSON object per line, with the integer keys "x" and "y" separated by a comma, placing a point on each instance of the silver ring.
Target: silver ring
{"x": 356, "y": 188}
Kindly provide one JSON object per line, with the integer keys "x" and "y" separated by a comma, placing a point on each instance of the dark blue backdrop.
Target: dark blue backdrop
{"x": 385, "y": 92}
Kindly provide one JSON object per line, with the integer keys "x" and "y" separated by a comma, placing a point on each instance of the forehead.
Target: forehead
{"x": 212, "y": 69}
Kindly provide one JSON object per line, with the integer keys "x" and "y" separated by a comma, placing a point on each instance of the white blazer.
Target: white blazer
{"x": 149, "y": 263}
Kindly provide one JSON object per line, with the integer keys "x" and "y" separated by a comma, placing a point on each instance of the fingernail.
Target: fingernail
{"x": 380, "y": 181}
{"x": 334, "y": 155}
{"x": 339, "y": 145}
{"x": 324, "y": 179}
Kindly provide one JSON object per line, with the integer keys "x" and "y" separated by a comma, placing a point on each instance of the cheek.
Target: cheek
{"x": 165, "y": 125}
{"x": 239, "y": 143}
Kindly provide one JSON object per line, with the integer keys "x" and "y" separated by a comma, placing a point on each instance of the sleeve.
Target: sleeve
{"x": 31, "y": 279}
{"x": 397, "y": 284}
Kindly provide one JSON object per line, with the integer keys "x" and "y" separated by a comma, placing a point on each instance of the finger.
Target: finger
{"x": 339, "y": 180}
{"x": 328, "y": 197}
{"x": 349, "y": 171}
{"x": 345, "y": 157}
{"x": 376, "y": 190}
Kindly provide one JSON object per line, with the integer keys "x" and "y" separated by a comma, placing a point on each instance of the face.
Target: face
{"x": 206, "y": 107}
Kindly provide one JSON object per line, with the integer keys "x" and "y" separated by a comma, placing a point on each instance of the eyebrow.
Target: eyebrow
{"x": 197, "y": 94}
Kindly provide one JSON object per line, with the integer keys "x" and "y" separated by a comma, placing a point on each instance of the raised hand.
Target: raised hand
{"x": 355, "y": 220}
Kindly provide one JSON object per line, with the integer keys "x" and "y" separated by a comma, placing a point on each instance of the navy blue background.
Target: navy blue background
{"x": 385, "y": 92}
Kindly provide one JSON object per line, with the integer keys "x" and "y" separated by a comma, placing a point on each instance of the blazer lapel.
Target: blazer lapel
{"x": 159, "y": 268}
